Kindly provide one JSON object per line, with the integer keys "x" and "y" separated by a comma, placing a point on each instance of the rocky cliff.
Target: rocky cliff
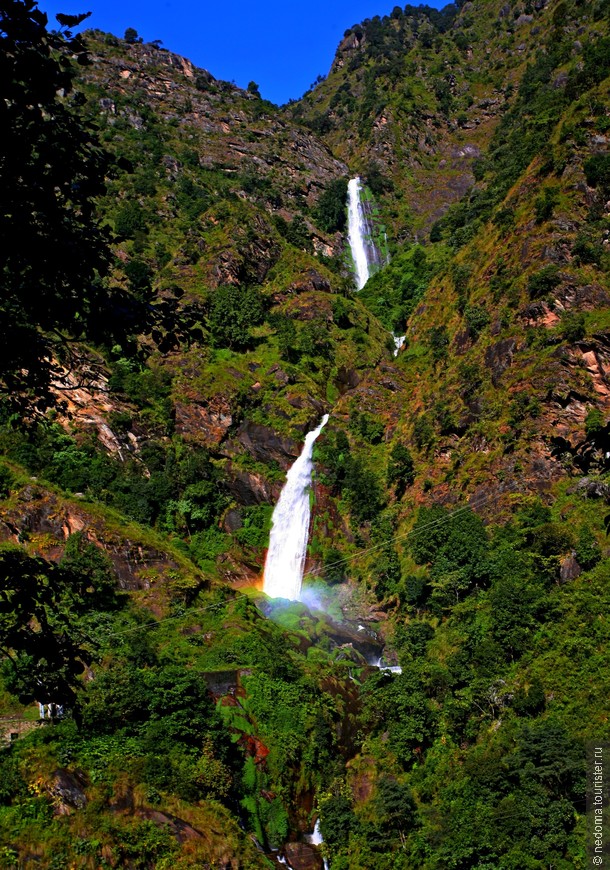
{"x": 459, "y": 523}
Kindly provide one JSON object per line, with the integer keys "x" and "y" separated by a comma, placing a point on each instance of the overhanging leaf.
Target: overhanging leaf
{"x": 71, "y": 20}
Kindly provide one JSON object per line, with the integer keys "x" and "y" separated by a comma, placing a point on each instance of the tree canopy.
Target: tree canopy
{"x": 51, "y": 169}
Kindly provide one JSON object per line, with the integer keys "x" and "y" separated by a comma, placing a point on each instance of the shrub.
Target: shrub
{"x": 377, "y": 183}
{"x": 334, "y": 566}
{"x": 423, "y": 433}
{"x": 586, "y": 250}
{"x": 6, "y": 481}
{"x": 594, "y": 423}
{"x": 130, "y": 220}
{"x": 438, "y": 342}
{"x": 545, "y": 204}
{"x": 477, "y": 318}
{"x": 296, "y": 232}
{"x": 573, "y": 327}
{"x": 436, "y": 232}
{"x": 597, "y": 172}
{"x": 543, "y": 282}
{"x": 588, "y": 552}
{"x": 400, "y": 469}
{"x": 233, "y": 312}
{"x": 139, "y": 275}
{"x": 286, "y": 333}
{"x": 370, "y": 429}
{"x": 362, "y": 490}
{"x": 256, "y": 525}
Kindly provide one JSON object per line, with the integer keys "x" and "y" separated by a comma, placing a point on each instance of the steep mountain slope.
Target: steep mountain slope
{"x": 461, "y": 493}
{"x": 413, "y": 99}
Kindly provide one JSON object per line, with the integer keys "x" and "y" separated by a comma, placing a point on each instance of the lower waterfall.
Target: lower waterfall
{"x": 290, "y": 527}
{"x": 316, "y": 839}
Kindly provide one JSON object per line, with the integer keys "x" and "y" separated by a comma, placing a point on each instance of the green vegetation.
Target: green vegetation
{"x": 394, "y": 293}
{"x": 331, "y": 209}
{"x": 165, "y": 377}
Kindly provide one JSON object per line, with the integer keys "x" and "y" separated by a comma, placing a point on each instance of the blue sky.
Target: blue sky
{"x": 281, "y": 45}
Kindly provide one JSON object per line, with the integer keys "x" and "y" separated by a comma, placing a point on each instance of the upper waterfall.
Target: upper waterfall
{"x": 290, "y": 527}
{"x": 357, "y": 232}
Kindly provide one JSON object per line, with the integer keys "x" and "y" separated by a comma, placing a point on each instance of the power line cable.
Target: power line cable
{"x": 394, "y": 538}
{"x": 359, "y": 554}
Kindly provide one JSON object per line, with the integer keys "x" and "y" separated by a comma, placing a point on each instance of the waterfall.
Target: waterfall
{"x": 290, "y": 527}
{"x": 316, "y": 839}
{"x": 387, "y": 669}
{"x": 399, "y": 341}
{"x": 358, "y": 232}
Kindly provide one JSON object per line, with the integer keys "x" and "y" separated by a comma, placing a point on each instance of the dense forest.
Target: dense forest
{"x": 179, "y": 310}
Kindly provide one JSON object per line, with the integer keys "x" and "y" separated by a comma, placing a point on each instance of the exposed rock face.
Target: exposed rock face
{"x": 206, "y": 424}
{"x": 570, "y": 569}
{"x": 347, "y": 379}
{"x": 498, "y": 358}
{"x": 84, "y": 401}
{"x": 596, "y": 357}
{"x": 229, "y": 130}
{"x": 253, "y": 254}
{"x": 311, "y": 280}
{"x": 250, "y": 488}
{"x": 263, "y": 444}
{"x": 46, "y": 521}
{"x": 67, "y": 791}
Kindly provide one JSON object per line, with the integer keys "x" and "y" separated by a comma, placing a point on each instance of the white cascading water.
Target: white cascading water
{"x": 357, "y": 232}
{"x": 290, "y": 527}
{"x": 388, "y": 669}
{"x": 316, "y": 839}
{"x": 399, "y": 341}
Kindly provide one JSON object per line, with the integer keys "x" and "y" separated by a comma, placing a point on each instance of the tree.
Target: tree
{"x": 337, "y": 821}
{"x": 331, "y": 211}
{"x": 131, "y": 36}
{"x": 455, "y": 545}
{"x": 51, "y": 170}
{"x": 233, "y": 311}
{"x": 40, "y": 603}
{"x": 253, "y": 89}
{"x": 400, "y": 469}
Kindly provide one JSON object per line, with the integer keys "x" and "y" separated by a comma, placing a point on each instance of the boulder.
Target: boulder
{"x": 591, "y": 488}
{"x": 570, "y": 569}
{"x": 68, "y": 791}
{"x": 302, "y": 856}
{"x": 180, "y": 829}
